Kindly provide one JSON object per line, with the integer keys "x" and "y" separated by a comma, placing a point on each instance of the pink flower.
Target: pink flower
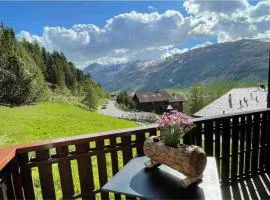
{"x": 174, "y": 119}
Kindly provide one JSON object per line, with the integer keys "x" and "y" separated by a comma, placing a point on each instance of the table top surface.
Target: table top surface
{"x": 163, "y": 182}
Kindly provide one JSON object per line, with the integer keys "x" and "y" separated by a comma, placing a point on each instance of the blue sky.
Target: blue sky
{"x": 33, "y": 16}
{"x": 113, "y": 32}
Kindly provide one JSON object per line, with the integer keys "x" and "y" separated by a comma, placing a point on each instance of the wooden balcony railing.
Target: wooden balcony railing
{"x": 78, "y": 166}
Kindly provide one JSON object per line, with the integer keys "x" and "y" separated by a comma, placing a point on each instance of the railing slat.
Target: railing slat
{"x": 45, "y": 175}
{"x": 114, "y": 158}
{"x": 127, "y": 151}
{"x": 255, "y": 143}
{"x": 102, "y": 170}
{"x": 199, "y": 134}
{"x": 263, "y": 158}
{"x": 16, "y": 179}
{"x": 235, "y": 140}
{"x": 153, "y": 132}
{"x": 242, "y": 146}
{"x": 248, "y": 144}
{"x": 268, "y": 141}
{"x": 26, "y": 176}
{"x": 188, "y": 137}
{"x": 1, "y": 192}
{"x": 10, "y": 192}
{"x": 85, "y": 172}
{"x": 208, "y": 135}
{"x": 65, "y": 173}
{"x": 225, "y": 150}
{"x": 217, "y": 144}
{"x": 140, "y": 138}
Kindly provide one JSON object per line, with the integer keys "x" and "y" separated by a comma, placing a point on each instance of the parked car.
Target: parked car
{"x": 104, "y": 106}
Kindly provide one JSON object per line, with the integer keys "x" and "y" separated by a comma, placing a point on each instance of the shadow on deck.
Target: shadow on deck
{"x": 255, "y": 188}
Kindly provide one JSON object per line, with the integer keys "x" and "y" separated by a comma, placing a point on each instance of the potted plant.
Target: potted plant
{"x": 167, "y": 148}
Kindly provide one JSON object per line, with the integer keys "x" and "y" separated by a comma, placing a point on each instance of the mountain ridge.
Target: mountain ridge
{"x": 231, "y": 61}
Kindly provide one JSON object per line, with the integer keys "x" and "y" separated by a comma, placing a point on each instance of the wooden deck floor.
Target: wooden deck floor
{"x": 256, "y": 188}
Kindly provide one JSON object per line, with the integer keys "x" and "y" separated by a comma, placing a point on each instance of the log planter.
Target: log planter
{"x": 190, "y": 160}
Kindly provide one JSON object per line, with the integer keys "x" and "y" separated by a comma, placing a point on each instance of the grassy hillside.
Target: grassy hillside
{"x": 52, "y": 120}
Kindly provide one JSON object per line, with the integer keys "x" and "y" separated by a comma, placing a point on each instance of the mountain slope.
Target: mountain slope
{"x": 231, "y": 61}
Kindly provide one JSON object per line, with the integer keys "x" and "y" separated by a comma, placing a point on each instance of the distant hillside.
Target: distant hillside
{"x": 243, "y": 60}
{"x": 104, "y": 73}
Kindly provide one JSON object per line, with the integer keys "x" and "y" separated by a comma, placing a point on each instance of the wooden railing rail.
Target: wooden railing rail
{"x": 78, "y": 166}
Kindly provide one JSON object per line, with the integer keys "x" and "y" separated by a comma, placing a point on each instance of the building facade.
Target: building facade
{"x": 158, "y": 101}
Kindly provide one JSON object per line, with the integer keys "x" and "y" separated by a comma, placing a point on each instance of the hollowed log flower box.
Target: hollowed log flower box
{"x": 190, "y": 160}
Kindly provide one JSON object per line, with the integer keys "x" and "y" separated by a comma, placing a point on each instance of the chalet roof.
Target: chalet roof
{"x": 255, "y": 98}
{"x": 177, "y": 98}
{"x": 154, "y": 96}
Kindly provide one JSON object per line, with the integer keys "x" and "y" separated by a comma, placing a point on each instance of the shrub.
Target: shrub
{"x": 124, "y": 100}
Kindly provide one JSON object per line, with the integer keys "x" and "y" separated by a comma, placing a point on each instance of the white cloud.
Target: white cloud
{"x": 133, "y": 36}
{"x": 261, "y": 10}
{"x": 201, "y": 7}
{"x": 151, "y": 8}
{"x": 31, "y": 38}
{"x": 230, "y": 20}
{"x": 135, "y": 32}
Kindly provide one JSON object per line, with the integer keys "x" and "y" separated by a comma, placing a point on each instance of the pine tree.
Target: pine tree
{"x": 90, "y": 99}
{"x": 26, "y": 69}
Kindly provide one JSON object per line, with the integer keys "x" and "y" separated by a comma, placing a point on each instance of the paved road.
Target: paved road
{"x": 113, "y": 111}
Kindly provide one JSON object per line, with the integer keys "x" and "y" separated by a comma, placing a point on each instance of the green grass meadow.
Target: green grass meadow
{"x": 49, "y": 120}
{"x": 52, "y": 120}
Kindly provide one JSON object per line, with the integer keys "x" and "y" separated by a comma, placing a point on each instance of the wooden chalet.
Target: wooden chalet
{"x": 158, "y": 101}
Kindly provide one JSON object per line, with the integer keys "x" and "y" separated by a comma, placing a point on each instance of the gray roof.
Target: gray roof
{"x": 154, "y": 96}
{"x": 255, "y": 98}
{"x": 157, "y": 96}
